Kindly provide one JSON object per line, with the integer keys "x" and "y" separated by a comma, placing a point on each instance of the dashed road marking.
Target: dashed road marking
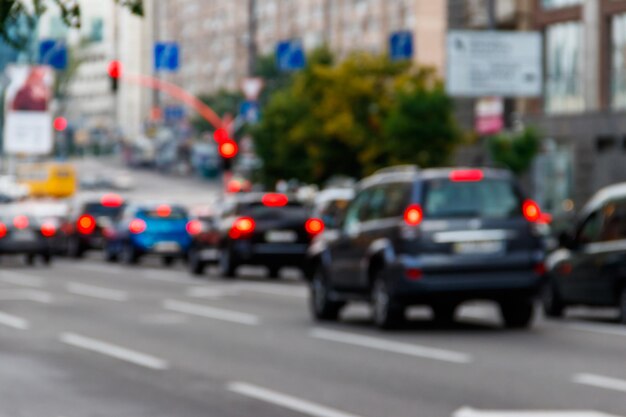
{"x": 14, "y": 321}
{"x": 211, "y": 312}
{"x": 97, "y": 292}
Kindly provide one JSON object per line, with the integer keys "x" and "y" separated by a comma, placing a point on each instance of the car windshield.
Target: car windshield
{"x": 489, "y": 198}
{"x": 99, "y": 210}
{"x": 261, "y": 211}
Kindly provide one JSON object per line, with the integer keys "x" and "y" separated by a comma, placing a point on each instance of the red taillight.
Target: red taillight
{"x": 111, "y": 200}
{"x": 242, "y": 226}
{"x": 413, "y": 215}
{"x": 163, "y": 210}
{"x": 275, "y": 200}
{"x": 20, "y": 222}
{"x": 194, "y": 227}
{"x": 48, "y": 229}
{"x": 531, "y": 211}
{"x": 86, "y": 224}
{"x": 414, "y": 274}
{"x": 314, "y": 226}
{"x": 234, "y": 186}
{"x": 137, "y": 226}
{"x": 540, "y": 269}
{"x": 3, "y": 230}
{"x": 466, "y": 175}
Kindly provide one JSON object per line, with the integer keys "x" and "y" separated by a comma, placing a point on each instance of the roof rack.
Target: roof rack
{"x": 398, "y": 169}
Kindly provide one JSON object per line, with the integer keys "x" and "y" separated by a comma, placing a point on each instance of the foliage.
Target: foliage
{"x": 515, "y": 151}
{"x": 17, "y": 12}
{"x": 353, "y": 118}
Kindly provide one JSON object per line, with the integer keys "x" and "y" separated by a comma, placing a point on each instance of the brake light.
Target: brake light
{"x": 234, "y": 186}
{"x": 275, "y": 200}
{"x": 20, "y": 222}
{"x": 531, "y": 211}
{"x": 86, "y": 224}
{"x": 540, "y": 269}
{"x": 3, "y": 230}
{"x": 111, "y": 200}
{"x": 163, "y": 210}
{"x": 466, "y": 175}
{"x": 48, "y": 229}
{"x": 414, "y": 274}
{"x": 137, "y": 226}
{"x": 314, "y": 226}
{"x": 242, "y": 226}
{"x": 194, "y": 227}
{"x": 413, "y": 215}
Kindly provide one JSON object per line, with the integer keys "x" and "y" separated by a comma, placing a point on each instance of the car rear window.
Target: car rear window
{"x": 98, "y": 210}
{"x": 260, "y": 211}
{"x": 174, "y": 214}
{"x": 489, "y": 198}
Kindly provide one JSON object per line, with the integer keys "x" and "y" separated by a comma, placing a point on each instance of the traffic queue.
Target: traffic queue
{"x": 402, "y": 237}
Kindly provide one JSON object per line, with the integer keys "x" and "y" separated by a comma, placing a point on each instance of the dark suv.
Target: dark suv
{"x": 437, "y": 237}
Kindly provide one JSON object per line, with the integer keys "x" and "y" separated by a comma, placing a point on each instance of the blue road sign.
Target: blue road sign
{"x": 174, "y": 113}
{"x": 250, "y": 111}
{"x": 53, "y": 52}
{"x": 401, "y": 45}
{"x": 290, "y": 55}
{"x": 166, "y": 56}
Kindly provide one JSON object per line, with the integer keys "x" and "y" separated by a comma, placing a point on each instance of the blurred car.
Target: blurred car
{"x": 436, "y": 237}
{"x": 271, "y": 230}
{"x": 204, "y": 230}
{"x": 88, "y": 220}
{"x": 589, "y": 268}
{"x": 331, "y": 203}
{"x": 99, "y": 181}
{"x": 149, "y": 229}
{"x": 50, "y": 212}
{"x": 23, "y": 234}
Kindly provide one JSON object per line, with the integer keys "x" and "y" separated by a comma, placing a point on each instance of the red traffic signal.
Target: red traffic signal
{"x": 221, "y": 135}
{"x": 115, "y": 69}
{"x": 60, "y": 124}
{"x": 228, "y": 149}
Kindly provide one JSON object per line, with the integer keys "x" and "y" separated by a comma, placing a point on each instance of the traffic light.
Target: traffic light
{"x": 60, "y": 124}
{"x": 228, "y": 149}
{"x": 221, "y": 135}
{"x": 115, "y": 72}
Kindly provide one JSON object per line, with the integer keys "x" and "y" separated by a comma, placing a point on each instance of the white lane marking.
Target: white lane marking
{"x": 15, "y": 278}
{"x": 106, "y": 269}
{"x": 14, "y": 321}
{"x": 600, "y": 381}
{"x": 157, "y": 275}
{"x": 599, "y": 328}
{"x": 114, "y": 351}
{"x": 26, "y": 295}
{"x": 286, "y": 401}
{"x": 470, "y": 412}
{"x": 283, "y": 291}
{"x": 97, "y": 292}
{"x": 391, "y": 346}
{"x": 211, "y": 312}
{"x": 212, "y": 293}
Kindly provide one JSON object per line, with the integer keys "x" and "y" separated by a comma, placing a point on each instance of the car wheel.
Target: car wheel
{"x": 443, "y": 313}
{"x": 109, "y": 254}
{"x": 167, "y": 260}
{"x": 196, "y": 266}
{"x": 74, "y": 248}
{"x": 551, "y": 301}
{"x": 322, "y": 307}
{"x": 129, "y": 254}
{"x": 388, "y": 313}
{"x": 228, "y": 268}
{"x": 517, "y": 314}
{"x": 622, "y": 307}
{"x": 46, "y": 259}
{"x": 29, "y": 260}
{"x": 274, "y": 273}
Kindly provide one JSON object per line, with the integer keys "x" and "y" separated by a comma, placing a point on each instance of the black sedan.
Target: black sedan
{"x": 21, "y": 234}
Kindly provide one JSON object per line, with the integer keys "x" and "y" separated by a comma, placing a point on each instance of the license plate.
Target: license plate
{"x": 479, "y": 248}
{"x": 167, "y": 247}
{"x": 209, "y": 254}
{"x": 23, "y": 236}
{"x": 281, "y": 236}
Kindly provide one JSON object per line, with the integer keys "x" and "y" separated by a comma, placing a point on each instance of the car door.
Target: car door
{"x": 346, "y": 250}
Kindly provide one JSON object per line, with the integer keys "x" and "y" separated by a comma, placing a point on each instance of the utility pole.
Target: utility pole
{"x": 252, "y": 42}
{"x": 156, "y": 33}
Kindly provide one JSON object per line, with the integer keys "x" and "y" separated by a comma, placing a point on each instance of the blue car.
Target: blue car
{"x": 160, "y": 230}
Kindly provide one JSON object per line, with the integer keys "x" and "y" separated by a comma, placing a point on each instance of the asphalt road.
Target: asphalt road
{"x": 87, "y": 338}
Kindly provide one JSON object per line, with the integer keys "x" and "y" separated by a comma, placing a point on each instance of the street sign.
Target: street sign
{"x": 53, "y": 52}
{"x": 494, "y": 63}
{"x": 250, "y": 111}
{"x": 401, "y": 45}
{"x": 489, "y": 116}
{"x": 252, "y": 87}
{"x": 290, "y": 55}
{"x": 166, "y": 56}
{"x": 174, "y": 113}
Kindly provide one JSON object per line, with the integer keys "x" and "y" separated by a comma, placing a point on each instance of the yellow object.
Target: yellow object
{"x": 48, "y": 179}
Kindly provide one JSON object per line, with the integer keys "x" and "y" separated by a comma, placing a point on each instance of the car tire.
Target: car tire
{"x": 551, "y": 301}
{"x": 387, "y": 312}
{"x": 46, "y": 258}
{"x": 74, "y": 248}
{"x": 109, "y": 254}
{"x": 129, "y": 255}
{"x": 228, "y": 268}
{"x": 167, "y": 261}
{"x": 29, "y": 260}
{"x": 517, "y": 314}
{"x": 622, "y": 306}
{"x": 443, "y": 313}
{"x": 321, "y": 306}
{"x": 273, "y": 273}
{"x": 194, "y": 263}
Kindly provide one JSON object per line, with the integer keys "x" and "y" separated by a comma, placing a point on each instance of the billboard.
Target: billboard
{"x": 494, "y": 63}
{"x": 28, "y": 116}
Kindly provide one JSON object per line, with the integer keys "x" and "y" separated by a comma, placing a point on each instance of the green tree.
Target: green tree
{"x": 222, "y": 102}
{"x": 515, "y": 151}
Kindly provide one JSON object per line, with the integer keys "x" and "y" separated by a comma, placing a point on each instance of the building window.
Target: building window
{"x": 553, "y": 4}
{"x": 564, "y": 63}
{"x": 618, "y": 61}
